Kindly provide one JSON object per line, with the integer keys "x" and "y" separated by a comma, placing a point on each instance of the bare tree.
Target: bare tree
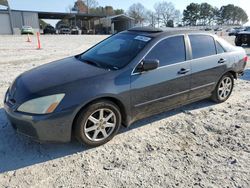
{"x": 91, "y": 4}
{"x": 151, "y": 18}
{"x": 138, "y": 12}
{"x": 166, "y": 12}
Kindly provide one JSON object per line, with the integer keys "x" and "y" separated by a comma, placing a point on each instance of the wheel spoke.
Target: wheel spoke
{"x": 92, "y": 128}
{"x": 109, "y": 116}
{"x": 95, "y": 134}
{"x": 221, "y": 88}
{"x": 104, "y": 133}
{"x": 101, "y": 113}
{"x": 109, "y": 125}
{"x": 93, "y": 119}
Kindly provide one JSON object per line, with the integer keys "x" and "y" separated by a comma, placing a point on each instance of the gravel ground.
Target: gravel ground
{"x": 199, "y": 145}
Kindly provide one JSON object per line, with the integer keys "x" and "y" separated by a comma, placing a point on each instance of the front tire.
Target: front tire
{"x": 98, "y": 123}
{"x": 238, "y": 41}
{"x": 223, "y": 89}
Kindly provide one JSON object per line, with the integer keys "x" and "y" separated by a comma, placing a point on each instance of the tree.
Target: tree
{"x": 206, "y": 13}
{"x": 232, "y": 15}
{"x": 151, "y": 18}
{"x": 118, "y": 11}
{"x": 170, "y": 23}
{"x": 138, "y": 12}
{"x": 84, "y": 6}
{"x": 191, "y": 14}
{"x": 166, "y": 12}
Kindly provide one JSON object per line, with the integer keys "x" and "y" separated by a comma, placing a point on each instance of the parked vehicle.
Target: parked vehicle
{"x": 234, "y": 31}
{"x": 126, "y": 77}
{"x": 49, "y": 30}
{"x": 243, "y": 37}
{"x": 75, "y": 31}
{"x": 208, "y": 29}
{"x": 27, "y": 30}
{"x": 218, "y": 29}
{"x": 64, "y": 30}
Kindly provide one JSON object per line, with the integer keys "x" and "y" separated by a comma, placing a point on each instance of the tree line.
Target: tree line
{"x": 165, "y": 14}
{"x": 206, "y": 14}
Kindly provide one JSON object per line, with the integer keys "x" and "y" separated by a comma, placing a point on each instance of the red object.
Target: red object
{"x": 38, "y": 40}
{"x": 28, "y": 40}
{"x": 245, "y": 59}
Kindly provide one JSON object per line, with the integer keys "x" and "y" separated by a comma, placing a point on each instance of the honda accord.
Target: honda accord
{"x": 128, "y": 76}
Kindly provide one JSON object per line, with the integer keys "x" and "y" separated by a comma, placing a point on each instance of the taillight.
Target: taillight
{"x": 245, "y": 59}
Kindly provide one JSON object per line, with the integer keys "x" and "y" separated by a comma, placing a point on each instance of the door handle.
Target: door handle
{"x": 222, "y": 60}
{"x": 183, "y": 71}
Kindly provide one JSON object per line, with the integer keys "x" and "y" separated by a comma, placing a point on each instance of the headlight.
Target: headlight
{"x": 42, "y": 105}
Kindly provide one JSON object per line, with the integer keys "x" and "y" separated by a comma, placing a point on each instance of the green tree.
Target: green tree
{"x": 206, "y": 13}
{"x": 232, "y": 15}
{"x": 191, "y": 14}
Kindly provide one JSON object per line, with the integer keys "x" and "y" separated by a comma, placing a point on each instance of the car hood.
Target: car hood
{"x": 244, "y": 32}
{"x": 57, "y": 73}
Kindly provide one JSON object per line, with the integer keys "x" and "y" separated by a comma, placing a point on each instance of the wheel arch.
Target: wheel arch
{"x": 122, "y": 108}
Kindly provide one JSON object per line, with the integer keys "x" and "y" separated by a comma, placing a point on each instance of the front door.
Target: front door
{"x": 168, "y": 85}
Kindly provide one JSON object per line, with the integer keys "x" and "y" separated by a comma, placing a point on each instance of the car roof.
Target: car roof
{"x": 155, "y": 33}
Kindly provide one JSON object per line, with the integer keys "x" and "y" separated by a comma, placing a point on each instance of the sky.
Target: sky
{"x": 61, "y": 5}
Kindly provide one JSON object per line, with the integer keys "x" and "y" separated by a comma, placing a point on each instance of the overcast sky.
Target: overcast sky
{"x": 61, "y": 5}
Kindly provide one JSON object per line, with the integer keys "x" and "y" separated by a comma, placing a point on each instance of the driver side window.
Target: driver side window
{"x": 169, "y": 51}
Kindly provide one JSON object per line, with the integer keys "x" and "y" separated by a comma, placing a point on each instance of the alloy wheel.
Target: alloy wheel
{"x": 225, "y": 88}
{"x": 100, "y": 124}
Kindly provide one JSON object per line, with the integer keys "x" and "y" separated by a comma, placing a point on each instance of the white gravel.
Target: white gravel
{"x": 199, "y": 145}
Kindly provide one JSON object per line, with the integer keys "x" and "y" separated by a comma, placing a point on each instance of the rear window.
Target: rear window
{"x": 219, "y": 48}
{"x": 202, "y": 46}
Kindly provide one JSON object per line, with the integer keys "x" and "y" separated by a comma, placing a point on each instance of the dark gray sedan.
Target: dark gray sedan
{"x": 127, "y": 77}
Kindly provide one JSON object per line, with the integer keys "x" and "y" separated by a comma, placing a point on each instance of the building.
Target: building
{"x": 11, "y": 21}
{"x": 114, "y": 24}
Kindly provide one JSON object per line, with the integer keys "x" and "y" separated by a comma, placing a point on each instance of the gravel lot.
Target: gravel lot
{"x": 199, "y": 145}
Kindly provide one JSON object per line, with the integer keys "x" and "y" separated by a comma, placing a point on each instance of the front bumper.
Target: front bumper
{"x": 55, "y": 127}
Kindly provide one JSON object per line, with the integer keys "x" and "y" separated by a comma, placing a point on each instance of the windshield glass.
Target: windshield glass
{"x": 116, "y": 51}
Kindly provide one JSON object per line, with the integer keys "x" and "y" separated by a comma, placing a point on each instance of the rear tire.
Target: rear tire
{"x": 223, "y": 88}
{"x": 98, "y": 123}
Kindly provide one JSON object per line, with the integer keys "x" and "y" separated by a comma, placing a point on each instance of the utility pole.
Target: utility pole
{"x": 88, "y": 13}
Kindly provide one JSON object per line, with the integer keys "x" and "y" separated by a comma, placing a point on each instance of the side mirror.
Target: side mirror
{"x": 147, "y": 65}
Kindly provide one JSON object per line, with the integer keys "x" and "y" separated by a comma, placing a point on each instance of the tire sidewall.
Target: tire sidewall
{"x": 84, "y": 115}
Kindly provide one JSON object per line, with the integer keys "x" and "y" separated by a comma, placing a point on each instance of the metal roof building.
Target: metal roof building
{"x": 11, "y": 21}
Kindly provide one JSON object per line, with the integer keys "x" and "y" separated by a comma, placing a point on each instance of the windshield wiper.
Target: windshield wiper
{"x": 88, "y": 61}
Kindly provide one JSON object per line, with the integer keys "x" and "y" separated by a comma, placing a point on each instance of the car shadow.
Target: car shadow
{"x": 246, "y": 75}
{"x": 18, "y": 151}
{"x": 187, "y": 109}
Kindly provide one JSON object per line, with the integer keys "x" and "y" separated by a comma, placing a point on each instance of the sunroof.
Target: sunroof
{"x": 146, "y": 29}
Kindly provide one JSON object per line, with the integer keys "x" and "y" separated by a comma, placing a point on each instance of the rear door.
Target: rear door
{"x": 208, "y": 64}
{"x": 166, "y": 86}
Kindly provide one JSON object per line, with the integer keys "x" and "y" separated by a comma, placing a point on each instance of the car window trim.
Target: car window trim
{"x": 191, "y": 49}
{"x": 164, "y": 38}
{"x": 217, "y": 42}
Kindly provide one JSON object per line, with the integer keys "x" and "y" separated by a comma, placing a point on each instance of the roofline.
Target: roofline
{"x": 115, "y": 16}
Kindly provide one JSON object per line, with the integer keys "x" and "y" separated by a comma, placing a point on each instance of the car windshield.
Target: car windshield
{"x": 247, "y": 29}
{"x": 116, "y": 51}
